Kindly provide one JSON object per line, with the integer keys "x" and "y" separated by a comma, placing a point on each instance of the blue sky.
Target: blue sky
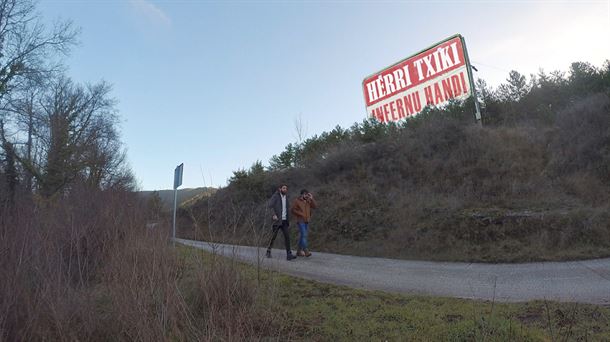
{"x": 218, "y": 85}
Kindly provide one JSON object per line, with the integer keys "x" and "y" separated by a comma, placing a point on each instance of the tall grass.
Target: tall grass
{"x": 84, "y": 266}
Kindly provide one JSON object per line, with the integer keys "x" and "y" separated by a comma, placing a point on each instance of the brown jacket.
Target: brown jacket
{"x": 301, "y": 209}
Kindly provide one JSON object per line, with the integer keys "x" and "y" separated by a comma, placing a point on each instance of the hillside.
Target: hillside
{"x": 184, "y": 195}
{"x": 533, "y": 183}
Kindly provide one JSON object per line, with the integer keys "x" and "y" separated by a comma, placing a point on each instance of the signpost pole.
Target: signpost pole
{"x": 477, "y": 113}
{"x": 174, "y": 224}
{"x": 177, "y": 183}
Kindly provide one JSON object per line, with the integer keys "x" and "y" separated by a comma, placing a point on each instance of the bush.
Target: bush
{"x": 582, "y": 139}
{"x": 85, "y": 267}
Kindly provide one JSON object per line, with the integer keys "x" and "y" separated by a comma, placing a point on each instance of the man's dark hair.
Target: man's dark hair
{"x": 304, "y": 191}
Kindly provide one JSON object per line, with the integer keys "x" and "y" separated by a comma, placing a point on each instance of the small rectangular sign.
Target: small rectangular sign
{"x": 432, "y": 77}
{"x": 178, "y": 176}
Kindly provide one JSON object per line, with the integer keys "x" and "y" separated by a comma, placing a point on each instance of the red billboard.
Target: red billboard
{"x": 432, "y": 77}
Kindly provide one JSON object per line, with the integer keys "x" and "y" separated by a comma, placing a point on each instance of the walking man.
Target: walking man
{"x": 279, "y": 207}
{"x": 301, "y": 209}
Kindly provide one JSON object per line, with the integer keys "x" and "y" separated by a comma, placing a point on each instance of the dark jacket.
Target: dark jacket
{"x": 275, "y": 203}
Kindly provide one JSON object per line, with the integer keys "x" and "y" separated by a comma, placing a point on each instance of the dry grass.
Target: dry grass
{"x": 313, "y": 311}
{"x": 84, "y": 267}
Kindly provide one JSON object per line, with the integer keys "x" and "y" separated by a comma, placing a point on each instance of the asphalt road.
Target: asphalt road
{"x": 574, "y": 281}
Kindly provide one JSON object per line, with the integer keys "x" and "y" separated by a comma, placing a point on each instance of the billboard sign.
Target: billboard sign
{"x": 431, "y": 77}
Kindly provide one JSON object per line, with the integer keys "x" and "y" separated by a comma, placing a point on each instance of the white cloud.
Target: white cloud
{"x": 151, "y": 12}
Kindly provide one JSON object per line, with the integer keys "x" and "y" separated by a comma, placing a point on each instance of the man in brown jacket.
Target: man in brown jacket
{"x": 301, "y": 209}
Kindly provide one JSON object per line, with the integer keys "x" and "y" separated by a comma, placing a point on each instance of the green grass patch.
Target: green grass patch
{"x": 314, "y": 311}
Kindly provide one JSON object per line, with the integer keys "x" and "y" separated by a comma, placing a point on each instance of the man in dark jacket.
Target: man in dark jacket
{"x": 279, "y": 207}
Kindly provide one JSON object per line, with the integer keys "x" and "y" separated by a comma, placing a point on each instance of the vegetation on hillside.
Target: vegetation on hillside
{"x": 532, "y": 184}
{"x": 185, "y": 196}
{"x": 77, "y": 261}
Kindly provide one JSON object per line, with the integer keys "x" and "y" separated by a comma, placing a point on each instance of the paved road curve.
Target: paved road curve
{"x": 574, "y": 281}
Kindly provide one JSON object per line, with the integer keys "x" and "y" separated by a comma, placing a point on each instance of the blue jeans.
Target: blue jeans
{"x": 303, "y": 235}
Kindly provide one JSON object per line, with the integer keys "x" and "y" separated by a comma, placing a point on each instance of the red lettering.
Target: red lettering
{"x": 416, "y": 101}
{"x": 463, "y": 83}
{"x": 400, "y": 108}
{"x": 428, "y": 93}
{"x": 393, "y": 111}
{"x": 438, "y": 95}
{"x": 455, "y": 82}
{"x": 386, "y": 112}
{"x": 417, "y": 70}
{"x": 378, "y": 114}
{"x": 409, "y": 104}
{"x": 447, "y": 88}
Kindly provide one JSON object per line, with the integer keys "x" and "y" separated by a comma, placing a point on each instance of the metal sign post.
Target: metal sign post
{"x": 177, "y": 183}
{"x": 477, "y": 113}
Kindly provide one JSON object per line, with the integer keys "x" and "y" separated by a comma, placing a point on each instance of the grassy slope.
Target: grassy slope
{"x": 308, "y": 310}
{"x": 442, "y": 188}
{"x": 184, "y": 195}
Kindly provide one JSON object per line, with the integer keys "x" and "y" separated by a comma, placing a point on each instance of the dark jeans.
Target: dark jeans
{"x": 284, "y": 227}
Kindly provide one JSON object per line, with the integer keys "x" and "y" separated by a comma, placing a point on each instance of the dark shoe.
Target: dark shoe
{"x": 268, "y": 254}
{"x": 290, "y": 257}
{"x": 307, "y": 253}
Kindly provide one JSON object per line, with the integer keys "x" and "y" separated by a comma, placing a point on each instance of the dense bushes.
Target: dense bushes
{"x": 85, "y": 267}
{"x": 52, "y": 254}
{"x": 77, "y": 258}
{"x": 531, "y": 184}
{"x": 582, "y": 143}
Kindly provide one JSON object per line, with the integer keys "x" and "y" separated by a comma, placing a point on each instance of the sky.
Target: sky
{"x": 218, "y": 85}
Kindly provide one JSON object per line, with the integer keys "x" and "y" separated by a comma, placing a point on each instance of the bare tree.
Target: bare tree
{"x": 29, "y": 54}
{"x": 8, "y": 166}
{"x": 75, "y": 127}
{"x": 300, "y": 128}
{"x": 26, "y": 120}
{"x": 26, "y": 47}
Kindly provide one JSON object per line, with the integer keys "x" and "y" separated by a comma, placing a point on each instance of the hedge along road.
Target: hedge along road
{"x": 585, "y": 281}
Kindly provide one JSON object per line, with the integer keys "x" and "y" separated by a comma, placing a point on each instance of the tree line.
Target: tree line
{"x": 54, "y": 132}
{"x": 515, "y": 101}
